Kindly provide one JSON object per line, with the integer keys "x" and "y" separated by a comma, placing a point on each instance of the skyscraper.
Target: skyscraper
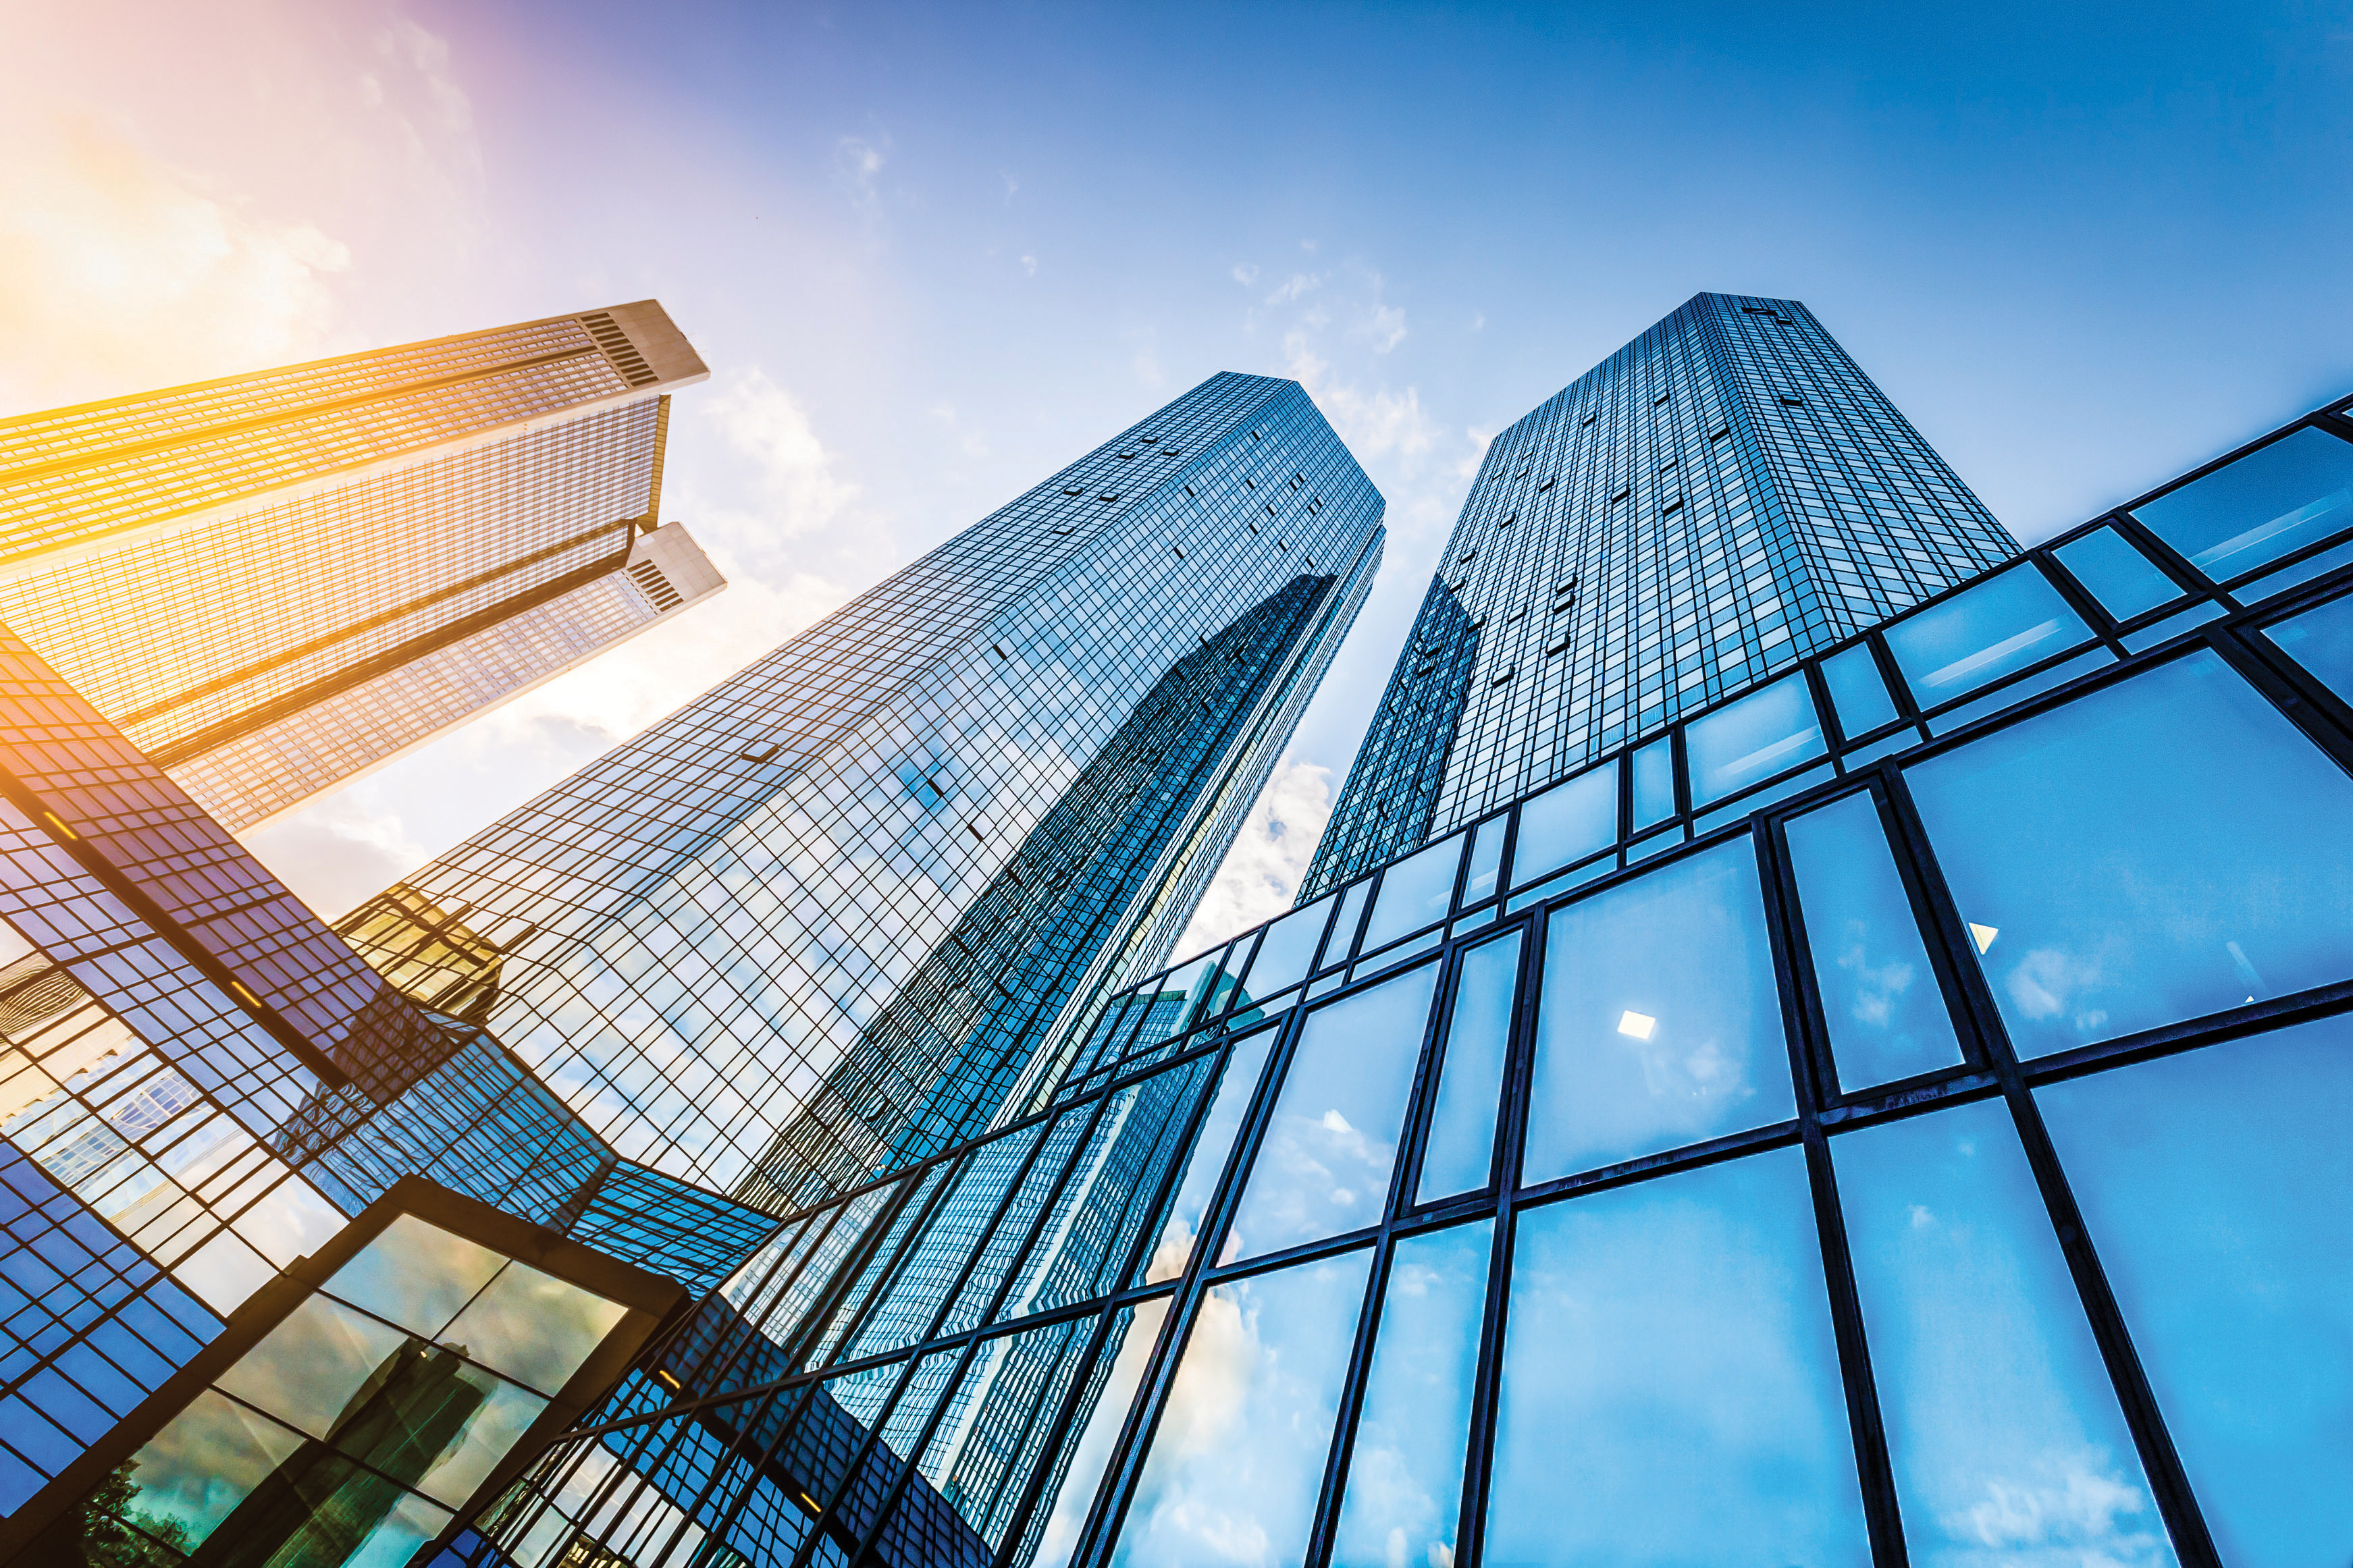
{"x": 1724, "y": 495}
{"x": 275, "y": 581}
{"x": 827, "y": 917}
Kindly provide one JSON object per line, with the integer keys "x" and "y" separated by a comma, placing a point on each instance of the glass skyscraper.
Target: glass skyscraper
{"x": 1724, "y": 495}
{"x": 827, "y": 917}
{"x": 276, "y": 580}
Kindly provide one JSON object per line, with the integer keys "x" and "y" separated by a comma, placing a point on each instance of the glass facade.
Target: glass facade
{"x": 272, "y": 582}
{"x": 843, "y": 909}
{"x": 1919, "y": 1145}
{"x": 1721, "y": 497}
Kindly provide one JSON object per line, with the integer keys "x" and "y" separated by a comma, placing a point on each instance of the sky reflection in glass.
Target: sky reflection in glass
{"x": 1224, "y": 1119}
{"x": 1670, "y": 1389}
{"x": 2005, "y": 622}
{"x": 2002, "y": 1428}
{"x": 2124, "y": 580}
{"x": 1287, "y": 950}
{"x": 2321, "y": 639}
{"x": 1654, "y": 783}
{"x": 1405, "y": 1471}
{"x": 1415, "y": 892}
{"x": 1459, "y": 1154}
{"x": 1566, "y": 824}
{"x": 1239, "y": 1454}
{"x": 1659, "y": 1023}
{"x": 1324, "y": 1166}
{"x": 1886, "y": 1018}
{"x": 2274, "y": 499}
{"x": 1857, "y": 693}
{"x": 2165, "y": 848}
{"x": 1129, "y": 1348}
{"x": 1765, "y": 732}
{"x": 2218, "y": 1187}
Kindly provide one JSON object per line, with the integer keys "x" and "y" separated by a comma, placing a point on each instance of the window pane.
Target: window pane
{"x": 1659, "y": 1024}
{"x": 1878, "y": 995}
{"x": 1405, "y": 1471}
{"x": 1670, "y": 1388}
{"x": 2002, "y": 625}
{"x": 2218, "y": 1187}
{"x": 1654, "y": 783}
{"x": 1287, "y": 949}
{"x": 534, "y": 1327}
{"x": 1857, "y": 693}
{"x": 2002, "y": 1427}
{"x": 2161, "y": 850}
{"x": 2321, "y": 639}
{"x": 1175, "y": 1248}
{"x": 1339, "y": 945}
{"x": 2122, "y": 579}
{"x": 1415, "y": 892}
{"x": 2295, "y": 490}
{"x": 306, "y": 1368}
{"x": 435, "y": 1422}
{"x": 1459, "y": 1156}
{"x": 1764, "y": 734}
{"x": 191, "y": 1474}
{"x": 1324, "y": 1166}
{"x": 415, "y": 1274}
{"x": 1486, "y": 859}
{"x": 1567, "y": 823}
{"x": 1133, "y": 1331}
{"x": 1238, "y": 1455}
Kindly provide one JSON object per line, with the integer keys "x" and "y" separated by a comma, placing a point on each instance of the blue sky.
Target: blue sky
{"x": 932, "y": 252}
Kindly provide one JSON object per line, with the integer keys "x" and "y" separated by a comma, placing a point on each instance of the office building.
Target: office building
{"x": 834, "y": 914}
{"x": 1905, "y": 1131}
{"x": 1724, "y": 495}
{"x": 274, "y": 582}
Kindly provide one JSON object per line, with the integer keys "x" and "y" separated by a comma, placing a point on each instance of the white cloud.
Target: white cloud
{"x": 794, "y": 473}
{"x": 335, "y": 856}
{"x": 1245, "y": 274}
{"x": 1261, "y": 875}
{"x": 1030, "y": 266}
{"x": 1373, "y": 423}
{"x": 1294, "y": 286}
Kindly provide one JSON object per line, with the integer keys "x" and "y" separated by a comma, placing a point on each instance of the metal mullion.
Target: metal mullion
{"x": 2321, "y": 716}
{"x": 898, "y": 1488}
{"x": 765, "y": 1458}
{"x": 908, "y": 1243}
{"x": 829, "y": 1514}
{"x": 995, "y": 1303}
{"x": 1891, "y": 676}
{"x": 1108, "y": 1511}
{"x": 1058, "y": 1433}
{"x": 1323, "y": 1520}
{"x": 2168, "y": 1482}
{"x": 2167, "y": 559}
{"x": 1833, "y": 724}
{"x": 734, "y": 1358}
{"x": 1808, "y": 1039}
{"x": 2174, "y": 1039}
{"x": 1422, "y": 1101}
{"x": 938, "y": 1318}
{"x": 2089, "y": 610}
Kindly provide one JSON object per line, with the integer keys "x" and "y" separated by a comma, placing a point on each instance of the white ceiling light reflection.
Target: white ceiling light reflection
{"x": 1638, "y": 1024}
{"x": 1983, "y": 935}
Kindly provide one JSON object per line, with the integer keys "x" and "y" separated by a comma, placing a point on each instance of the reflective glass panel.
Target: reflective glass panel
{"x": 1886, "y": 1018}
{"x": 1404, "y": 1490}
{"x": 2277, "y": 499}
{"x": 2002, "y": 1427}
{"x": 415, "y": 1274}
{"x": 1341, "y": 942}
{"x": 1459, "y": 1154}
{"x": 1415, "y": 892}
{"x": 534, "y": 1327}
{"x": 1238, "y": 1456}
{"x": 1567, "y": 823}
{"x": 1243, "y": 1069}
{"x": 2124, "y": 580}
{"x": 1323, "y": 1165}
{"x": 208, "y": 1459}
{"x": 1659, "y": 1025}
{"x": 1654, "y": 783}
{"x": 306, "y": 1368}
{"x": 1765, "y": 732}
{"x": 435, "y": 1422}
{"x": 1129, "y": 1347}
{"x": 2321, "y": 639}
{"x": 1486, "y": 859}
{"x": 2165, "y": 848}
{"x": 1857, "y": 691}
{"x": 2004, "y": 623}
{"x": 1287, "y": 950}
{"x": 2218, "y": 1187}
{"x": 1670, "y": 1389}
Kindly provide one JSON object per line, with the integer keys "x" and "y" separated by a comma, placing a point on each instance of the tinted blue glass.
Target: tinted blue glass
{"x": 1287, "y": 950}
{"x": 1486, "y": 859}
{"x": 1459, "y": 1155}
{"x": 2002, "y": 1427}
{"x": 2017, "y": 691}
{"x": 2315, "y": 566}
{"x": 2162, "y": 849}
{"x": 2283, "y": 496}
{"x": 2218, "y": 1187}
{"x": 1764, "y": 734}
{"x": 2321, "y": 639}
{"x": 2009, "y": 621}
{"x": 1654, "y": 784}
{"x": 1670, "y": 1388}
{"x": 1405, "y": 1470}
{"x": 1415, "y": 892}
{"x": 1659, "y": 1025}
{"x": 2122, "y": 579}
{"x": 1223, "y": 1120}
{"x": 1323, "y": 1165}
{"x": 1238, "y": 1455}
{"x": 1341, "y": 942}
{"x": 1566, "y": 824}
{"x": 2172, "y": 626}
{"x": 1857, "y": 691}
{"x": 1878, "y": 995}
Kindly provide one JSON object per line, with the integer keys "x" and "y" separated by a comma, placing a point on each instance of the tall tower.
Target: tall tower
{"x": 1724, "y": 495}
{"x": 274, "y": 582}
{"x": 841, "y": 910}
